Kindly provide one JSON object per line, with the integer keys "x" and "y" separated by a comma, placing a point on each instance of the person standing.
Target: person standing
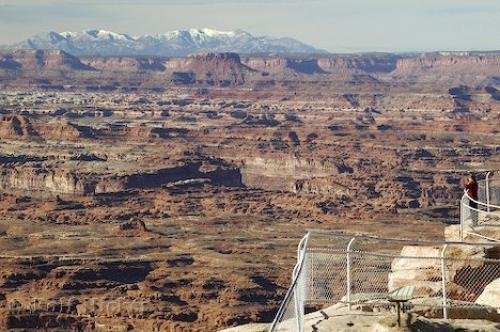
{"x": 471, "y": 188}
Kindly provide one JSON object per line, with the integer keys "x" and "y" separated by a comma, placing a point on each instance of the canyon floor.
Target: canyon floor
{"x": 180, "y": 210}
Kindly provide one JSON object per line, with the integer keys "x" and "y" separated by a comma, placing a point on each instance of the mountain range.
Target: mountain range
{"x": 173, "y": 43}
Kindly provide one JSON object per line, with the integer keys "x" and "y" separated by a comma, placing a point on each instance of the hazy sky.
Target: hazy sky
{"x": 335, "y": 25}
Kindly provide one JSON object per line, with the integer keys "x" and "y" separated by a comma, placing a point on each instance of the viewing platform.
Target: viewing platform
{"x": 357, "y": 275}
{"x": 481, "y": 218}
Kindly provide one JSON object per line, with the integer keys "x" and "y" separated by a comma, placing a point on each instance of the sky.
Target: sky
{"x": 334, "y": 25}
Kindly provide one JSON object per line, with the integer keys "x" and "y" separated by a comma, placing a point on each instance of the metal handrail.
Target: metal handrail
{"x": 473, "y": 208}
{"x": 479, "y": 202}
{"x": 362, "y": 236}
{"x": 301, "y": 249}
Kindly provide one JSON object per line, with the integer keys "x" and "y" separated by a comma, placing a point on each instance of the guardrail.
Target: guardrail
{"x": 356, "y": 272}
{"x": 292, "y": 308}
{"x": 481, "y": 215}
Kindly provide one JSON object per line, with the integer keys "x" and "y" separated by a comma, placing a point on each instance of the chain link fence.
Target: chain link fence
{"x": 489, "y": 188}
{"x": 358, "y": 274}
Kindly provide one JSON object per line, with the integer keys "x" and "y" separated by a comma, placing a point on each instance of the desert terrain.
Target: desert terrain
{"x": 170, "y": 193}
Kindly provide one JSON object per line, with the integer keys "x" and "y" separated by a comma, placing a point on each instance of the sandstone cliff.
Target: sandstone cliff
{"x": 378, "y": 73}
{"x": 457, "y": 64}
{"x": 224, "y": 69}
{"x": 124, "y": 64}
{"x": 40, "y": 60}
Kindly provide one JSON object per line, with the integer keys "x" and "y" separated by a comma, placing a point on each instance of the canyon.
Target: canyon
{"x": 148, "y": 193}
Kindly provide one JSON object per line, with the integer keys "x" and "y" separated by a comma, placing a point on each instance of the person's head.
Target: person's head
{"x": 472, "y": 178}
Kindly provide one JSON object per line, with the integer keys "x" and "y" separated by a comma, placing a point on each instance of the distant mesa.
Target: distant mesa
{"x": 224, "y": 69}
{"x": 173, "y": 43}
{"x": 29, "y": 59}
{"x": 55, "y": 69}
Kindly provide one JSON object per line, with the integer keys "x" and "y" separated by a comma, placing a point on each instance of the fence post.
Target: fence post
{"x": 296, "y": 299}
{"x": 349, "y": 281}
{"x": 463, "y": 215}
{"x": 297, "y": 311}
{"x": 292, "y": 289}
{"x": 298, "y": 274}
{"x": 443, "y": 282}
{"x": 487, "y": 187}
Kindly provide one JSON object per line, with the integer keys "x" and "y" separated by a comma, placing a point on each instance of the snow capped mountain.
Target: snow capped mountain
{"x": 96, "y": 35}
{"x": 172, "y": 43}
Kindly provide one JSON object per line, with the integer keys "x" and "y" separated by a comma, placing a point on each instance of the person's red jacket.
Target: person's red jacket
{"x": 471, "y": 189}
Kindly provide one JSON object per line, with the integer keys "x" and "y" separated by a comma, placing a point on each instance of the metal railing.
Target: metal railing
{"x": 291, "y": 309}
{"x": 481, "y": 215}
{"x": 357, "y": 272}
